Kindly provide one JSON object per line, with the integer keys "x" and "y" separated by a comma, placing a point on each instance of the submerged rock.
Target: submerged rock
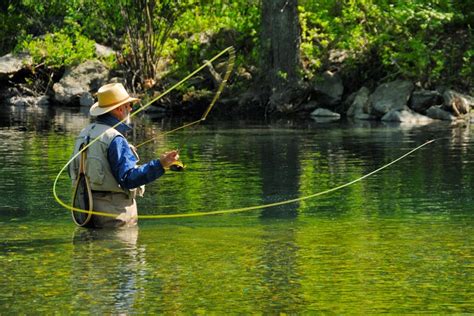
{"x": 436, "y": 112}
{"x": 320, "y": 112}
{"x": 406, "y": 116}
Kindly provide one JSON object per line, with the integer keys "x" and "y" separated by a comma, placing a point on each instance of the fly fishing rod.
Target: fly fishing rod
{"x": 86, "y": 208}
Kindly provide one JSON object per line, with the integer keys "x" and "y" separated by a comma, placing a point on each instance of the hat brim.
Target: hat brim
{"x": 97, "y": 110}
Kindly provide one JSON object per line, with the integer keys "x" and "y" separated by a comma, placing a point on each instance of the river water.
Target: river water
{"x": 399, "y": 241}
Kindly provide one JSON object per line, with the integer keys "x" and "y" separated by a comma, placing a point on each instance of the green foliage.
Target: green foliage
{"x": 214, "y": 25}
{"x": 426, "y": 40}
{"x": 405, "y": 37}
{"x": 59, "y": 49}
{"x": 467, "y": 69}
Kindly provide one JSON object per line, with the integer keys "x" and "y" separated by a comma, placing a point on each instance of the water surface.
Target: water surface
{"x": 400, "y": 241}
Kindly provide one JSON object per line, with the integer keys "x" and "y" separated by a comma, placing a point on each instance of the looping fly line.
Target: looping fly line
{"x": 230, "y": 64}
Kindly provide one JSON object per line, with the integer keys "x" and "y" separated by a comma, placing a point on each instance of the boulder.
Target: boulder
{"x": 86, "y": 99}
{"x": 360, "y": 104}
{"x": 422, "y": 100}
{"x": 320, "y": 112}
{"x": 76, "y": 81}
{"x": 406, "y": 116}
{"x": 102, "y": 51}
{"x": 11, "y": 64}
{"x": 28, "y": 101}
{"x": 436, "y": 112}
{"x": 391, "y": 96}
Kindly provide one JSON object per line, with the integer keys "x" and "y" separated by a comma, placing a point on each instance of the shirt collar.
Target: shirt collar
{"x": 111, "y": 120}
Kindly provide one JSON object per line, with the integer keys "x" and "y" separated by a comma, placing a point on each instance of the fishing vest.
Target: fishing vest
{"x": 97, "y": 168}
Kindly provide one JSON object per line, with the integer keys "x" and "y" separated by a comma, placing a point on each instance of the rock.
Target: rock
{"x": 42, "y": 100}
{"x": 86, "y": 77}
{"x": 329, "y": 89}
{"x": 436, "y": 112}
{"x": 361, "y": 103}
{"x": 102, "y": 51}
{"x": 28, "y": 101}
{"x": 391, "y": 96}
{"x": 406, "y": 116}
{"x": 324, "y": 119}
{"x": 320, "y": 112}
{"x": 456, "y": 103}
{"x": 86, "y": 99}
{"x": 364, "y": 117}
{"x": 11, "y": 64}
{"x": 422, "y": 100}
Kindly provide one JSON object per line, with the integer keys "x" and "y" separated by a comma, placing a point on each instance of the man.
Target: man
{"x": 110, "y": 164}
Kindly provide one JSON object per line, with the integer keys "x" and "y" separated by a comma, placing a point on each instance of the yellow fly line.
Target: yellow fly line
{"x": 230, "y": 51}
{"x": 230, "y": 64}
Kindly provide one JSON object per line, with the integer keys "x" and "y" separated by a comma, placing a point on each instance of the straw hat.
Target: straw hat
{"x": 109, "y": 97}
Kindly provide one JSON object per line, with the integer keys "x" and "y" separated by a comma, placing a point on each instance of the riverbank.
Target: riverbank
{"x": 394, "y": 101}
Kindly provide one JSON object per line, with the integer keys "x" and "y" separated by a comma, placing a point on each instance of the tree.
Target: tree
{"x": 280, "y": 49}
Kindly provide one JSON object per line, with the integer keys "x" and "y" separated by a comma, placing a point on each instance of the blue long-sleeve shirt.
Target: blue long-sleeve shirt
{"x": 123, "y": 162}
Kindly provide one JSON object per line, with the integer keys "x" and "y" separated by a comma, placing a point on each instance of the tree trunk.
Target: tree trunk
{"x": 280, "y": 47}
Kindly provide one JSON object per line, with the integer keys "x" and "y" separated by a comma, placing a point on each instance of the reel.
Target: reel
{"x": 177, "y": 166}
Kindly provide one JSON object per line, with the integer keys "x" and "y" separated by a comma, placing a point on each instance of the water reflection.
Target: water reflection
{"x": 106, "y": 269}
{"x": 280, "y": 174}
{"x": 278, "y": 269}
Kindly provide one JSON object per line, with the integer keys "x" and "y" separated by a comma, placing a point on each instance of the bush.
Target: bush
{"x": 58, "y": 49}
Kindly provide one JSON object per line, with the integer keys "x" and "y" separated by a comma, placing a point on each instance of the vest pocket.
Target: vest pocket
{"x": 95, "y": 170}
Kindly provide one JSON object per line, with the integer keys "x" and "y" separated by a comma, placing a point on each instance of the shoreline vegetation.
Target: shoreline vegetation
{"x": 404, "y": 62}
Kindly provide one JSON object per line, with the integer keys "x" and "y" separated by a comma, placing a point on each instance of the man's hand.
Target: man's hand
{"x": 168, "y": 158}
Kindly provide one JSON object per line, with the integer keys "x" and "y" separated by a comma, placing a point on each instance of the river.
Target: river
{"x": 399, "y": 241}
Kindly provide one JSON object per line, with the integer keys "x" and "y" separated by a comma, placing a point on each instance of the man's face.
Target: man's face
{"x": 127, "y": 109}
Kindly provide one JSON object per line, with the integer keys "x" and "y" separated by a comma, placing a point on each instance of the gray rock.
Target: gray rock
{"x": 86, "y": 99}
{"x": 391, "y": 96}
{"x": 329, "y": 89}
{"x": 10, "y": 64}
{"x": 320, "y": 112}
{"x": 42, "y": 100}
{"x": 435, "y": 112}
{"x": 83, "y": 78}
{"x": 28, "y": 101}
{"x": 406, "y": 116}
{"x": 422, "y": 100}
{"x": 103, "y": 51}
{"x": 360, "y": 104}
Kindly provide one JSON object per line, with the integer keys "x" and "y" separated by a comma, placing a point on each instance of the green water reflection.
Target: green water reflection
{"x": 398, "y": 242}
